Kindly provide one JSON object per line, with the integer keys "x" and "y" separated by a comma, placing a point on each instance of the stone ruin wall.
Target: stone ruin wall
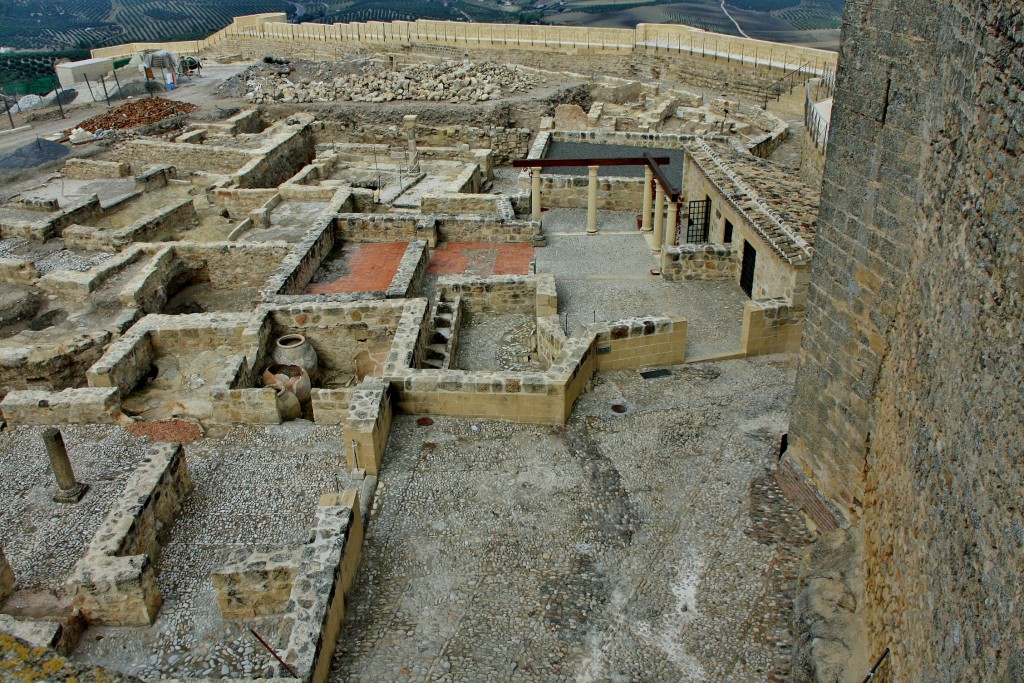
{"x": 908, "y": 403}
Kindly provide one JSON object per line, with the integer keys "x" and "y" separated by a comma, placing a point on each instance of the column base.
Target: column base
{"x": 646, "y": 229}
{"x": 591, "y": 232}
{"x": 72, "y": 495}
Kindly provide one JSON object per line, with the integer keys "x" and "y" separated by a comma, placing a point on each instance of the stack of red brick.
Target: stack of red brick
{"x": 136, "y": 113}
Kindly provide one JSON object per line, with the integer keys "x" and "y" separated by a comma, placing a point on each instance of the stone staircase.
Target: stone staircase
{"x": 444, "y": 332}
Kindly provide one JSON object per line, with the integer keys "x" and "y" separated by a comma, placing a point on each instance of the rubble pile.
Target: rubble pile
{"x": 450, "y": 81}
{"x": 136, "y": 113}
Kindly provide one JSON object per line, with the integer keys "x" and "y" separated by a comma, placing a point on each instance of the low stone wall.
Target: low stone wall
{"x": 6, "y": 576}
{"x": 77, "y": 285}
{"x": 55, "y": 365}
{"x": 184, "y": 156}
{"x": 639, "y": 342}
{"x": 313, "y": 616}
{"x": 114, "y": 583}
{"x": 299, "y": 266}
{"x": 368, "y": 426}
{"x": 155, "y": 177}
{"x": 771, "y": 326}
{"x": 147, "y": 290}
{"x": 245, "y": 406}
{"x": 460, "y": 204}
{"x": 152, "y": 228}
{"x": 699, "y": 262}
{"x": 331, "y": 406}
{"x": 532, "y": 295}
{"x": 412, "y": 269}
{"x": 18, "y": 271}
{"x": 91, "y": 169}
{"x": 493, "y": 230}
{"x": 240, "y": 202}
{"x": 356, "y": 227}
{"x": 572, "y": 192}
{"x": 288, "y": 148}
{"x": 70, "y": 406}
{"x": 254, "y": 583}
{"x": 230, "y": 265}
{"x": 51, "y": 225}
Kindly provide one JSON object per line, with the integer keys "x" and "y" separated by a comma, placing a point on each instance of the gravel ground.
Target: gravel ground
{"x": 254, "y": 487}
{"x": 42, "y": 539}
{"x": 607, "y": 277}
{"x": 497, "y": 342}
{"x": 649, "y": 546}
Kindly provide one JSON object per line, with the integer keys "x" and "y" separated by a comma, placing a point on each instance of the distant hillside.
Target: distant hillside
{"x": 63, "y": 24}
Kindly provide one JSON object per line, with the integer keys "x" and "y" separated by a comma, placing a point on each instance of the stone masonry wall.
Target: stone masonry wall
{"x": 908, "y": 405}
{"x": 115, "y": 580}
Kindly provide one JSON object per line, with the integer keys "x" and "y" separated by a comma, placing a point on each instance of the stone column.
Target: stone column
{"x": 409, "y": 123}
{"x": 659, "y": 219}
{"x": 69, "y": 490}
{"x": 535, "y": 192}
{"x": 670, "y": 228}
{"x": 592, "y": 202}
{"x": 645, "y": 222}
{"x": 6, "y": 576}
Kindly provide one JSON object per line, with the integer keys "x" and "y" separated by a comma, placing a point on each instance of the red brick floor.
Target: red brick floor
{"x": 478, "y": 258}
{"x": 368, "y": 268}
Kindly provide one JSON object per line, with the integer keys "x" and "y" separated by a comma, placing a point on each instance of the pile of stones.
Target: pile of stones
{"x": 450, "y": 81}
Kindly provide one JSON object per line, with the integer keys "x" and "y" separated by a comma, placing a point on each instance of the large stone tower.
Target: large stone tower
{"x": 909, "y": 413}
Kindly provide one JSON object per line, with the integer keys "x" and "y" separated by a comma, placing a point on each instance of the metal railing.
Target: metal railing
{"x": 817, "y": 125}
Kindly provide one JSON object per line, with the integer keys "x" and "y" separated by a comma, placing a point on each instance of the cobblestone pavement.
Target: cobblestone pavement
{"x": 43, "y": 539}
{"x": 607, "y": 277}
{"x": 254, "y": 487}
{"x": 647, "y": 546}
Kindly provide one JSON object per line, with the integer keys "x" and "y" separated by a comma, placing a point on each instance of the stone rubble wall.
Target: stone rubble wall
{"x": 384, "y": 228}
{"x": 299, "y": 266}
{"x": 281, "y": 156}
{"x": 52, "y": 224}
{"x": 240, "y": 202}
{"x": 412, "y": 269}
{"x": 18, "y": 271}
{"x": 77, "y": 285}
{"x": 688, "y": 262}
{"x": 70, "y": 406}
{"x": 56, "y": 365}
{"x": 339, "y": 331}
{"x": 231, "y": 265}
{"x": 91, "y": 169}
{"x": 316, "y": 608}
{"x": 153, "y": 228}
{"x": 522, "y": 294}
{"x": 493, "y": 230}
{"x": 368, "y": 426}
{"x": 254, "y": 583}
{"x": 186, "y": 157}
{"x": 155, "y": 177}
{"x": 114, "y": 583}
{"x": 147, "y": 290}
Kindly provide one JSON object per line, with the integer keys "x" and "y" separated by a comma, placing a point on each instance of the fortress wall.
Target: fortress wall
{"x": 263, "y": 33}
{"x": 908, "y": 401}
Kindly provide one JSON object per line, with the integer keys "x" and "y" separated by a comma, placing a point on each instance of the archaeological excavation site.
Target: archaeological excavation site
{"x": 431, "y": 351}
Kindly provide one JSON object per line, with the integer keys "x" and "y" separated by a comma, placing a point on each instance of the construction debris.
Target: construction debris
{"x": 136, "y": 113}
